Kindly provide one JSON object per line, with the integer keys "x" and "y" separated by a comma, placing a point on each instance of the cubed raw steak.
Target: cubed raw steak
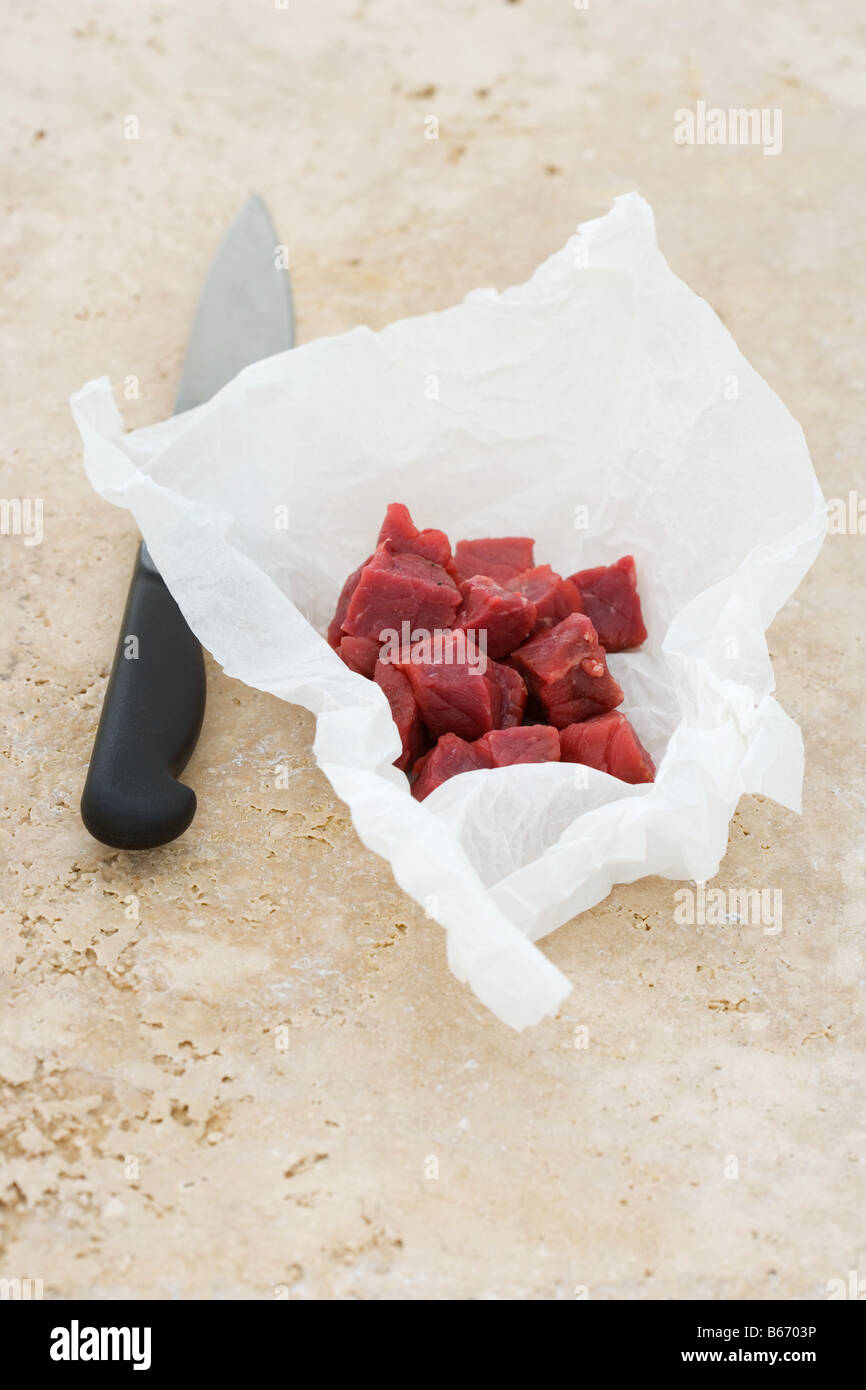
{"x": 566, "y": 668}
{"x": 335, "y": 630}
{"x": 404, "y": 710}
{"x": 450, "y": 756}
{"x": 396, "y": 588}
{"x": 507, "y": 618}
{"x": 360, "y": 654}
{"x": 609, "y": 743}
{"x": 611, "y": 600}
{"x": 514, "y": 693}
{"x": 538, "y": 743}
{"x": 399, "y": 528}
{"x": 500, "y": 558}
{"x": 453, "y": 695}
{"x": 554, "y": 597}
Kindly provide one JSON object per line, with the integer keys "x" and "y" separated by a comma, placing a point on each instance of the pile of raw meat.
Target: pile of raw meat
{"x": 488, "y": 659}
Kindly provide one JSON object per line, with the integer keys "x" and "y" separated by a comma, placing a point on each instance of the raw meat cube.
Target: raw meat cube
{"x": 554, "y": 597}
{"x": 609, "y": 743}
{"x": 405, "y": 713}
{"x": 566, "y": 668}
{"x": 500, "y": 558}
{"x": 507, "y": 618}
{"x": 399, "y": 528}
{"x": 611, "y": 601}
{"x": 537, "y": 744}
{"x": 514, "y": 693}
{"x": 360, "y": 654}
{"x": 396, "y": 588}
{"x": 453, "y": 693}
{"x": 450, "y": 756}
{"x": 335, "y": 630}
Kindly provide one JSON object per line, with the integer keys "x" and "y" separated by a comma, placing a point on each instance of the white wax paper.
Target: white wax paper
{"x": 600, "y": 407}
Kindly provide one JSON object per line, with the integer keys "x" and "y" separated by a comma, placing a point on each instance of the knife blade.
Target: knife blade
{"x": 154, "y": 703}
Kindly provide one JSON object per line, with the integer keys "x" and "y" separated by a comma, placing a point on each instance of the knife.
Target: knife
{"x": 154, "y": 702}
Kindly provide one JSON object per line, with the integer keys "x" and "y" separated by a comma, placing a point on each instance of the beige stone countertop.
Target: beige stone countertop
{"x": 239, "y": 1066}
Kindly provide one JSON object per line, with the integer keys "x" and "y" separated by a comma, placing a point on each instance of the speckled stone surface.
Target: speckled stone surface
{"x": 239, "y": 1066}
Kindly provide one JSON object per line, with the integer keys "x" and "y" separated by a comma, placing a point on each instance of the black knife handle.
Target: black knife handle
{"x": 151, "y": 719}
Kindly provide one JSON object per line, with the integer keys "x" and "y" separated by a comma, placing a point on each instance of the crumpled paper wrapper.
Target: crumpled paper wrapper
{"x": 601, "y": 407}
